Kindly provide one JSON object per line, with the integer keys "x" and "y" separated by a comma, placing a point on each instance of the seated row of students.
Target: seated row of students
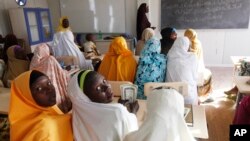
{"x": 120, "y": 65}
{"x": 34, "y": 114}
{"x": 179, "y": 65}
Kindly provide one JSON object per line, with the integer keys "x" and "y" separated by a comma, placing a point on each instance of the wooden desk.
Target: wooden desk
{"x": 199, "y": 128}
{"x": 236, "y": 61}
{"x": 4, "y": 100}
{"x": 243, "y": 87}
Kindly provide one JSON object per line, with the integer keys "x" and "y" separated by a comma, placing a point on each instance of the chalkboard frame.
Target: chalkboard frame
{"x": 205, "y": 14}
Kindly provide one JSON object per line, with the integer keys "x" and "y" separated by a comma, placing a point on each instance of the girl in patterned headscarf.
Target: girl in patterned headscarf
{"x": 151, "y": 67}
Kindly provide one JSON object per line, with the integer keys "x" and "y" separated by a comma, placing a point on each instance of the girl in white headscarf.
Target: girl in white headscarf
{"x": 164, "y": 120}
{"x": 63, "y": 45}
{"x": 182, "y": 67}
{"x": 94, "y": 119}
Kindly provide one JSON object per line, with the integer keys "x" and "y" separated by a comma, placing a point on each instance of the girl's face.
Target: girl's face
{"x": 65, "y": 23}
{"x": 173, "y": 35}
{"x": 43, "y": 92}
{"x": 100, "y": 91}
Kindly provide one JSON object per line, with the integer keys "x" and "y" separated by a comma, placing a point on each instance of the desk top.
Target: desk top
{"x": 241, "y": 83}
{"x": 4, "y": 100}
{"x": 236, "y": 59}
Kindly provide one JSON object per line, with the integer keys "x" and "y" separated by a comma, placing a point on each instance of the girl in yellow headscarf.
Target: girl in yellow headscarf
{"x": 204, "y": 74}
{"x": 118, "y": 63}
{"x": 64, "y": 45}
{"x": 63, "y": 24}
{"x": 32, "y": 115}
{"x": 195, "y": 43}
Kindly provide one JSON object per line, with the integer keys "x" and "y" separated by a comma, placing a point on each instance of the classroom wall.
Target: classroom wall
{"x": 5, "y": 25}
{"x": 218, "y": 44}
{"x": 54, "y": 7}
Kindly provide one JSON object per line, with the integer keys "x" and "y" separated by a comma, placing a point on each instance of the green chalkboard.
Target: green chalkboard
{"x": 205, "y": 14}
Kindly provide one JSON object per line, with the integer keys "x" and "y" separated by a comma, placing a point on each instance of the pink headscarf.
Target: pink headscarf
{"x": 44, "y": 62}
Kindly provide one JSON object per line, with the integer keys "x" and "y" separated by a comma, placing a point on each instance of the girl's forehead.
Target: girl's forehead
{"x": 40, "y": 79}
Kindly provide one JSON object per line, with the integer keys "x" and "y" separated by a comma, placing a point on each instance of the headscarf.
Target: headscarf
{"x": 60, "y": 28}
{"x": 146, "y": 34}
{"x": 118, "y": 63}
{"x": 142, "y": 20}
{"x": 63, "y": 45}
{"x": 164, "y": 120}
{"x": 166, "y": 41}
{"x": 196, "y": 48}
{"x": 14, "y": 66}
{"x": 29, "y": 121}
{"x": 151, "y": 66}
{"x": 44, "y": 62}
{"x": 97, "y": 121}
{"x": 182, "y": 67}
{"x": 10, "y": 40}
{"x": 195, "y": 43}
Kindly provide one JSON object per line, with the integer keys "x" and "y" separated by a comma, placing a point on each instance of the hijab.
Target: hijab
{"x": 60, "y": 28}
{"x": 118, "y": 63}
{"x": 182, "y": 66}
{"x": 164, "y": 120}
{"x": 97, "y": 121}
{"x": 195, "y": 43}
{"x": 44, "y": 62}
{"x": 142, "y": 20}
{"x": 10, "y": 40}
{"x": 14, "y": 66}
{"x": 151, "y": 66}
{"x": 166, "y": 41}
{"x": 29, "y": 121}
{"x": 196, "y": 48}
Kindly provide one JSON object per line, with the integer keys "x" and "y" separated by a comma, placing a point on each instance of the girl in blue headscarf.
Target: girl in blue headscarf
{"x": 151, "y": 66}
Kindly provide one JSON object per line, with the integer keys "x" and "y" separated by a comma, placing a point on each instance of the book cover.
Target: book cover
{"x": 129, "y": 92}
{"x": 188, "y": 114}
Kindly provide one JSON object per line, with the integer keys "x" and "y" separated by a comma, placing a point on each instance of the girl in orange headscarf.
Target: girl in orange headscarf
{"x": 118, "y": 64}
{"x": 32, "y": 115}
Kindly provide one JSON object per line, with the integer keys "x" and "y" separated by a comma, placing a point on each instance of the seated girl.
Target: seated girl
{"x": 204, "y": 75}
{"x": 94, "y": 117}
{"x": 33, "y": 114}
{"x": 164, "y": 119}
{"x": 90, "y": 47}
{"x": 47, "y": 64}
{"x": 169, "y": 35}
{"x": 118, "y": 63}
{"x": 182, "y": 66}
{"x": 151, "y": 66}
{"x": 17, "y": 63}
